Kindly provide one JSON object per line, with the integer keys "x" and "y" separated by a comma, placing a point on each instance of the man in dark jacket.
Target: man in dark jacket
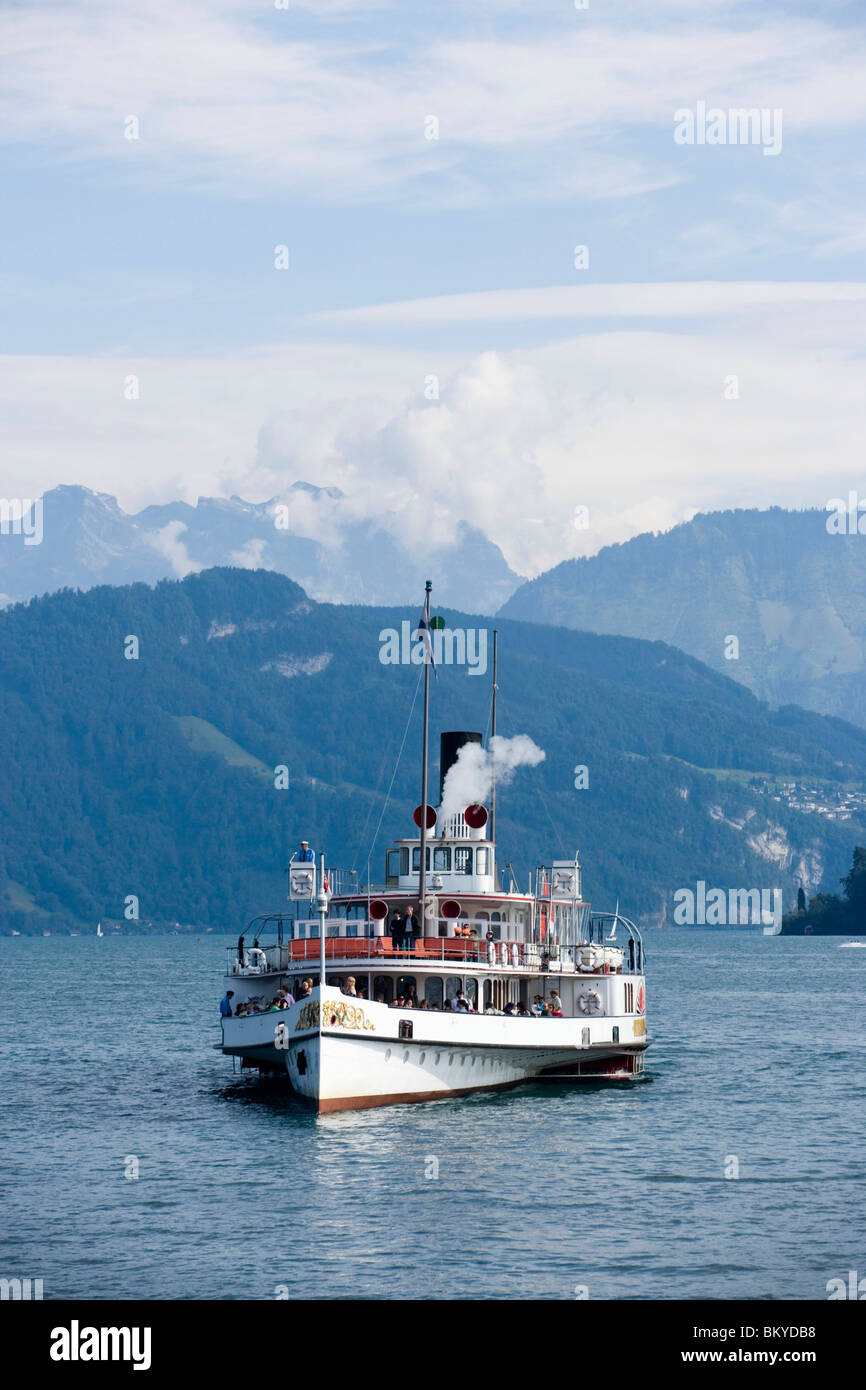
{"x": 398, "y": 930}
{"x": 411, "y": 928}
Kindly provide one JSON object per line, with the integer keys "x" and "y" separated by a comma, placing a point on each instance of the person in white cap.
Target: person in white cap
{"x": 306, "y": 855}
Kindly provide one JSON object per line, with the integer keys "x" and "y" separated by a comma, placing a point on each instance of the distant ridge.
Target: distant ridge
{"x": 88, "y": 539}
{"x": 793, "y": 595}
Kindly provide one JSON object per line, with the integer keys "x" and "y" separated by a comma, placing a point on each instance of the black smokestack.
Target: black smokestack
{"x": 449, "y": 746}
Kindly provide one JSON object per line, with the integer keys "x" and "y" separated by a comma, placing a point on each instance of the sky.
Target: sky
{"x": 248, "y": 242}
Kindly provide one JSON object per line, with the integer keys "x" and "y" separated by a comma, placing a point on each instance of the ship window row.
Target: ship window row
{"x": 436, "y": 990}
{"x": 462, "y": 859}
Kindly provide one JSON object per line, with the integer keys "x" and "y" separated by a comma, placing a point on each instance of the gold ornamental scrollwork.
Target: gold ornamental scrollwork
{"x": 337, "y": 1015}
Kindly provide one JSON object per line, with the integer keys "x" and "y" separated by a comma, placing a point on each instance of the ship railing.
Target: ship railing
{"x": 608, "y": 929}
{"x": 495, "y": 955}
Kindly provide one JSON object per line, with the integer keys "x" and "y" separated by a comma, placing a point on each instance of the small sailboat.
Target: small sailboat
{"x": 99, "y": 931}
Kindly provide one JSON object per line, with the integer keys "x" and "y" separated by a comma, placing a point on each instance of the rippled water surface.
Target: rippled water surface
{"x": 757, "y": 1056}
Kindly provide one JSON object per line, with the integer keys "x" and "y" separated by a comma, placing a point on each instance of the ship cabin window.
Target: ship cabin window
{"x": 463, "y": 860}
{"x": 314, "y": 931}
{"x": 433, "y": 991}
{"x": 351, "y": 928}
{"x": 403, "y": 983}
{"x": 416, "y": 860}
{"x": 392, "y": 866}
{"x": 331, "y": 929}
{"x": 471, "y": 989}
{"x": 452, "y": 984}
{"x": 442, "y": 860}
{"x": 382, "y": 988}
{"x": 482, "y": 861}
{"x": 302, "y": 930}
{"x": 496, "y": 993}
{"x": 404, "y": 860}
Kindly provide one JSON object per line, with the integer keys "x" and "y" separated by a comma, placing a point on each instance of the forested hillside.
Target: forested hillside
{"x": 155, "y": 776}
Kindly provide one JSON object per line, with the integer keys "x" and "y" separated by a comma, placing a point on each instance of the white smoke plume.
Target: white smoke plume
{"x": 470, "y": 779}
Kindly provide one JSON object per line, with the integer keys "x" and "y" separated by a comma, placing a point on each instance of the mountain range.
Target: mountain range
{"x": 171, "y": 744}
{"x": 313, "y": 537}
{"x": 771, "y": 598}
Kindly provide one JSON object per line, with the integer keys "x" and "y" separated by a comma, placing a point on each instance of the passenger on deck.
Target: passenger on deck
{"x": 286, "y": 998}
{"x": 274, "y": 1006}
{"x": 460, "y": 1002}
{"x": 537, "y": 1006}
{"x": 306, "y": 989}
{"x": 510, "y": 1009}
{"x": 411, "y": 928}
{"x": 350, "y": 987}
{"x": 397, "y": 930}
{"x": 397, "y": 1003}
{"x": 523, "y": 1012}
{"x": 411, "y": 993}
{"x": 226, "y": 1004}
{"x": 305, "y": 854}
{"x": 555, "y": 1004}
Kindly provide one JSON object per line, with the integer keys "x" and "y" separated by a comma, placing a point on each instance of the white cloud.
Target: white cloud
{"x": 632, "y": 424}
{"x": 237, "y": 96}
{"x": 687, "y": 299}
{"x": 250, "y": 556}
{"x": 168, "y": 543}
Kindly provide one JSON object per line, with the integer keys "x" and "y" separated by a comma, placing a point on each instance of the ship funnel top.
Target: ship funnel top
{"x": 449, "y": 746}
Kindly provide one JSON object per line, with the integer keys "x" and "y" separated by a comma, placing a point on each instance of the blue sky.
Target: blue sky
{"x": 452, "y": 257}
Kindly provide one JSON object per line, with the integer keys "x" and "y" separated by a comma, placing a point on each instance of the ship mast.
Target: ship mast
{"x": 422, "y": 878}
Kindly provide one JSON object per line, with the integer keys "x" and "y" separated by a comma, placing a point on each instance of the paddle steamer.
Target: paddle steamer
{"x": 498, "y": 986}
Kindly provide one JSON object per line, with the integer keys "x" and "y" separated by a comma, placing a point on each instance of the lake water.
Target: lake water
{"x": 757, "y": 1060}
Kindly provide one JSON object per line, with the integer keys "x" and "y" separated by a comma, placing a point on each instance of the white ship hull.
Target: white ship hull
{"x": 355, "y": 1057}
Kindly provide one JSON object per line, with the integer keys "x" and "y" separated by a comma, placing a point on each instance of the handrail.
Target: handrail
{"x": 494, "y": 955}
